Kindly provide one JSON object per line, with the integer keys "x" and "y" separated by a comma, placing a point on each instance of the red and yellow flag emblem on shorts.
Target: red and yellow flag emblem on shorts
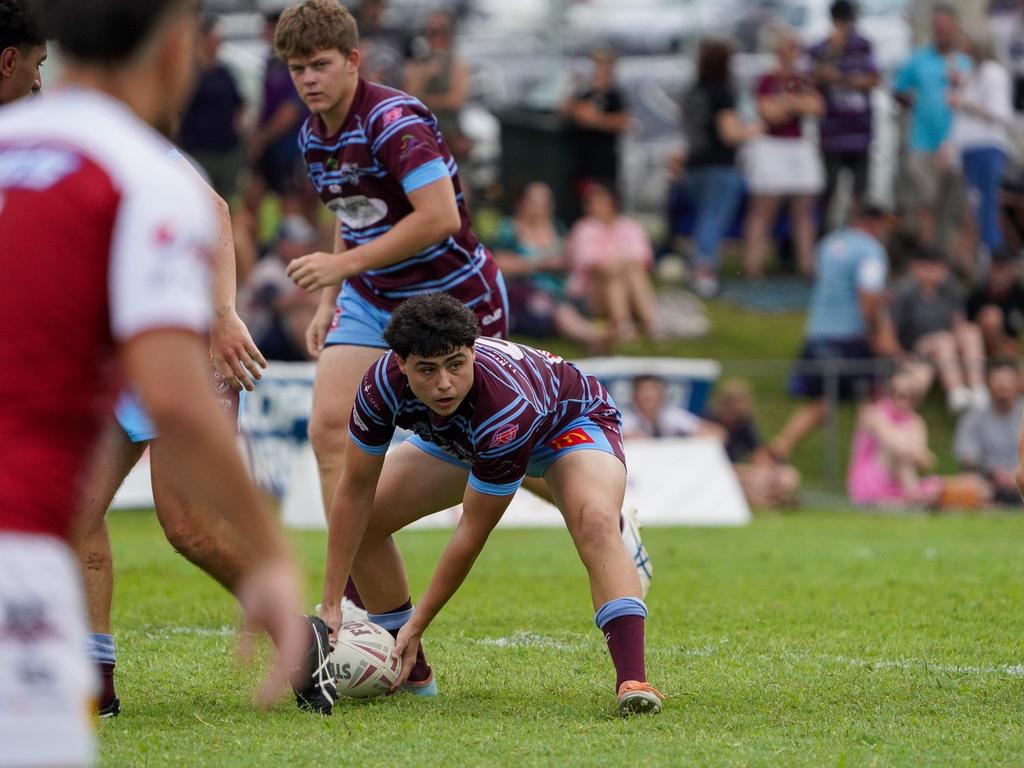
{"x": 568, "y": 439}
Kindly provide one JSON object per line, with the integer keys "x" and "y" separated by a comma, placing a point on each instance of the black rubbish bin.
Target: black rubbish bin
{"x": 539, "y": 146}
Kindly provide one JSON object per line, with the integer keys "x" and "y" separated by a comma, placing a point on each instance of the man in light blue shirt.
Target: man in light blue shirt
{"x": 844, "y": 323}
{"x": 923, "y": 85}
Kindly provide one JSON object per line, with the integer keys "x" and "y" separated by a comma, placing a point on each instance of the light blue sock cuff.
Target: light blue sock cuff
{"x": 390, "y": 621}
{"x": 620, "y": 606}
{"x": 101, "y": 648}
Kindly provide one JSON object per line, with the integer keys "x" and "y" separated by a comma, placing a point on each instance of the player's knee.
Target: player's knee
{"x": 597, "y": 525}
{"x": 990, "y": 320}
{"x": 328, "y": 434}
{"x": 185, "y": 539}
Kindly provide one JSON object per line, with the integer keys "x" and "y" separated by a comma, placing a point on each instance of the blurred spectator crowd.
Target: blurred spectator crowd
{"x": 908, "y": 290}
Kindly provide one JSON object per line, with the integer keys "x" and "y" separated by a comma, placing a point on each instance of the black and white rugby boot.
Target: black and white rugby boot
{"x": 315, "y": 690}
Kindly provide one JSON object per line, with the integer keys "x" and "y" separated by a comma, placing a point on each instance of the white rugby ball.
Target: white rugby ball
{"x": 361, "y": 661}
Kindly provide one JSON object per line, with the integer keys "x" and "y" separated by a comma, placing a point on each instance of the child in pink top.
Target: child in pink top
{"x": 610, "y": 256}
{"x": 890, "y": 450}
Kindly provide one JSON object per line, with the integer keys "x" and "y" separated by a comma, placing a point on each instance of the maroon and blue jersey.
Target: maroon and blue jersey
{"x": 388, "y": 147}
{"x": 526, "y": 408}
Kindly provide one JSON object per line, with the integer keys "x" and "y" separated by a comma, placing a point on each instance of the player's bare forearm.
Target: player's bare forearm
{"x": 349, "y": 515}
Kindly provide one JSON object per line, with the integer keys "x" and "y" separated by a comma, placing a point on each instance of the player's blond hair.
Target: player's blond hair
{"x": 315, "y": 25}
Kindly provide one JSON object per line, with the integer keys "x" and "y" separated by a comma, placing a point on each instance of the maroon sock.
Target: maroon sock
{"x": 353, "y": 594}
{"x": 625, "y": 637}
{"x": 107, "y": 694}
{"x": 421, "y": 670}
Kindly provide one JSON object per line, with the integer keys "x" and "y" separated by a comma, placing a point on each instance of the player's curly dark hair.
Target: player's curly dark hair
{"x": 18, "y": 28}
{"x": 431, "y": 325}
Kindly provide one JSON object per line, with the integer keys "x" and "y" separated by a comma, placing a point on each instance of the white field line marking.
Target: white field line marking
{"x": 535, "y": 640}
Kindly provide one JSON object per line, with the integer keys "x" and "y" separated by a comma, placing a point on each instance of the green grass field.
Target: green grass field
{"x": 809, "y": 640}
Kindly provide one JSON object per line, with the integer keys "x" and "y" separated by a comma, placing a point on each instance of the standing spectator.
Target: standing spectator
{"x": 986, "y": 438}
{"x": 845, "y": 323}
{"x": 650, "y": 416}
{"x": 846, "y": 72}
{"x": 935, "y": 187}
{"x": 929, "y": 320}
{"x": 714, "y": 130}
{"x": 765, "y": 482}
{"x": 440, "y": 79}
{"x": 600, "y": 115}
{"x": 530, "y": 249}
{"x": 210, "y": 125}
{"x": 784, "y": 163}
{"x": 274, "y": 146}
{"x": 610, "y": 257}
{"x": 983, "y": 112}
{"x": 997, "y": 306}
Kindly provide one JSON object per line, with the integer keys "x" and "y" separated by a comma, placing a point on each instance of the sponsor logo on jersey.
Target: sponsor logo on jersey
{"x": 391, "y": 116}
{"x": 494, "y": 317}
{"x": 505, "y": 435}
{"x": 409, "y": 143}
{"x": 349, "y": 173}
{"x": 568, "y": 439}
{"x": 35, "y": 168}
{"x": 359, "y": 211}
{"x": 359, "y": 421}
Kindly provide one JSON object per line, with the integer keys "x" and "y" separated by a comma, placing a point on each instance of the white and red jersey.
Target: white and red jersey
{"x": 102, "y": 237}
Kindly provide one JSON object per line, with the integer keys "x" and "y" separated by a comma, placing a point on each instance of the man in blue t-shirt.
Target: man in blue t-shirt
{"x": 844, "y": 323}
{"x": 923, "y": 84}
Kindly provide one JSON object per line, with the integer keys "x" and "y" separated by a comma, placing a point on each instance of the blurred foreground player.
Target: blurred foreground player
{"x": 22, "y": 52}
{"x": 486, "y": 413}
{"x": 379, "y": 162}
{"x": 105, "y": 242}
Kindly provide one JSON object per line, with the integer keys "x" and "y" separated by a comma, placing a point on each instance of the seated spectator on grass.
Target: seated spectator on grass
{"x": 275, "y": 310}
{"x": 929, "y": 319}
{"x": 610, "y": 257}
{"x": 784, "y": 163}
{"x": 765, "y": 482}
{"x": 530, "y": 249}
{"x": 890, "y": 453}
{"x": 714, "y": 130}
{"x": 845, "y": 324}
{"x": 986, "y": 438}
{"x": 650, "y": 416}
{"x": 997, "y": 306}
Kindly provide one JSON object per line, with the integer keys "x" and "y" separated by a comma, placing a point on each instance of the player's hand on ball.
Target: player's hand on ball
{"x": 406, "y": 645}
{"x": 331, "y": 615}
{"x": 269, "y": 599}
{"x": 318, "y": 270}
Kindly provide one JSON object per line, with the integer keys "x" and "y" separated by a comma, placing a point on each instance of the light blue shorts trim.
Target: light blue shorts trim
{"x": 542, "y": 456}
{"x": 133, "y": 418}
{"x": 136, "y": 422}
{"x": 357, "y": 322}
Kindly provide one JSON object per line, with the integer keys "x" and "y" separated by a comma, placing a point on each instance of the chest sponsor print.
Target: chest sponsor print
{"x": 359, "y": 211}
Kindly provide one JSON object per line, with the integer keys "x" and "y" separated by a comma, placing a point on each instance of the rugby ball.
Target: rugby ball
{"x": 361, "y": 662}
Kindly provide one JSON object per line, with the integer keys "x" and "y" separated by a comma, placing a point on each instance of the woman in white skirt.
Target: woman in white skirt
{"x": 783, "y": 163}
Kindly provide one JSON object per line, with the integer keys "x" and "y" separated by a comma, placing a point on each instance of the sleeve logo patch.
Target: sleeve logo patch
{"x": 391, "y": 116}
{"x": 568, "y": 439}
{"x": 505, "y": 435}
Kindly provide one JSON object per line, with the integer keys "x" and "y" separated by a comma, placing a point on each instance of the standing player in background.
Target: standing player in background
{"x": 22, "y": 52}
{"x": 485, "y": 414}
{"x": 378, "y": 161}
{"x": 104, "y": 244}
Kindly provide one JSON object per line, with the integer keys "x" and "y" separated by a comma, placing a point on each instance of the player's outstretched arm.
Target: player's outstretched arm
{"x": 435, "y": 216}
{"x": 480, "y": 513}
{"x": 350, "y": 512}
{"x": 235, "y": 354}
{"x": 169, "y": 371}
